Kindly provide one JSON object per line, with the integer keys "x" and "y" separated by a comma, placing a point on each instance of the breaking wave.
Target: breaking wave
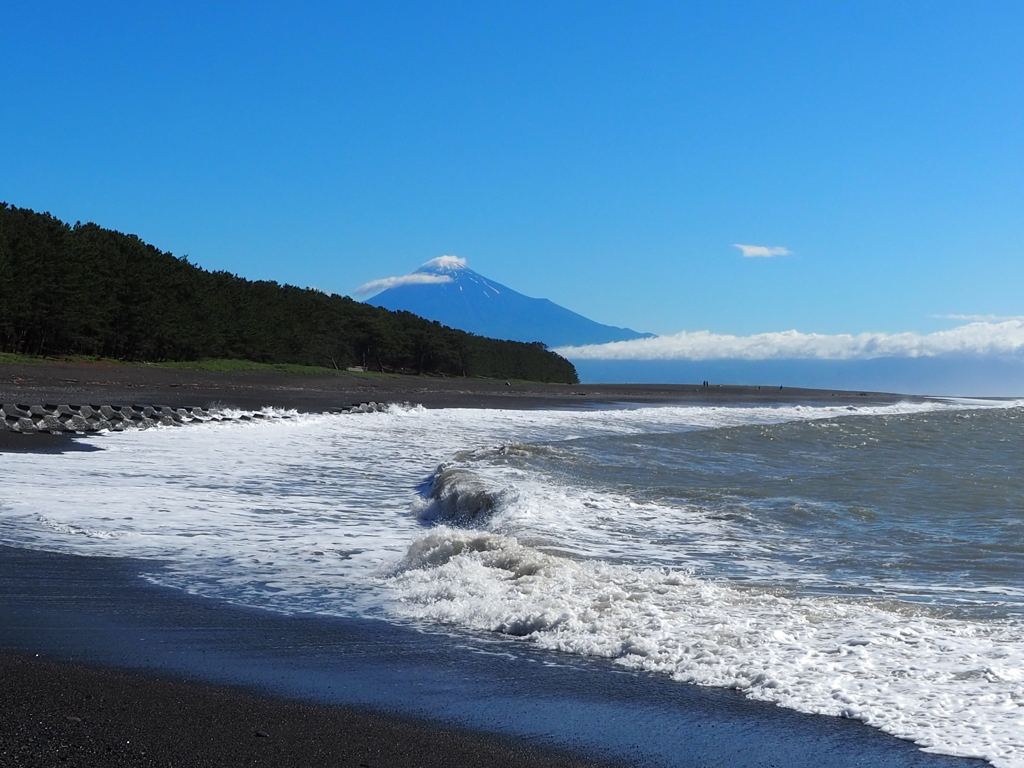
{"x": 455, "y": 496}
{"x": 950, "y": 686}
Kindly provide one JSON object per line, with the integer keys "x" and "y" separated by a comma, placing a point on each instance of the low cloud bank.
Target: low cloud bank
{"x": 981, "y": 318}
{"x": 978, "y": 338}
{"x": 416, "y": 278}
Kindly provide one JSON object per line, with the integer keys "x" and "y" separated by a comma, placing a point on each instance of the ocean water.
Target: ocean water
{"x": 862, "y": 562}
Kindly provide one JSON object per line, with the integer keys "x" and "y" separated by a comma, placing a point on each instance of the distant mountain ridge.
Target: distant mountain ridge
{"x": 446, "y": 290}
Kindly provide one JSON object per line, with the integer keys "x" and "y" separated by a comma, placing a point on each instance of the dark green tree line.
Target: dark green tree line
{"x": 87, "y": 290}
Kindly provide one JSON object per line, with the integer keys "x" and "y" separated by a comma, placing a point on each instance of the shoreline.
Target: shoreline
{"x": 167, "y": 668}
{"x": 351, "y": 692}
{"x": 128, "y": 384}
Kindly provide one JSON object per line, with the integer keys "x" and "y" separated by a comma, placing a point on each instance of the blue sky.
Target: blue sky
{"x": 604, "y": 155}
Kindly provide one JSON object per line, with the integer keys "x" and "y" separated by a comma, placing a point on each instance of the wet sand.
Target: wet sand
{"x": 67, "y": 714}
{"x": 161, "y": 677}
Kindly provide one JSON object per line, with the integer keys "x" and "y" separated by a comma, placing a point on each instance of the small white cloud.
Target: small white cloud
{"x": 978, "y": 338}
{"x": 417, "y": 278}
{"x": 754, "y": 251}
{"x": 444, "y": 263}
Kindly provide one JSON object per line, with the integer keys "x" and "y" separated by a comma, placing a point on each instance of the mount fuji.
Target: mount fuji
{"x": 446, "y": 290}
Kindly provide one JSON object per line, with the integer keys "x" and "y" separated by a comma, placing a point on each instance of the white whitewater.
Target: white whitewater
{"x": 501, "y": 521}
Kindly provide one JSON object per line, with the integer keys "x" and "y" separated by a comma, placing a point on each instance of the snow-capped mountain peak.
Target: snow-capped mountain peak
{"x": 445, "y": 289}
{"x": 444, "y": 265}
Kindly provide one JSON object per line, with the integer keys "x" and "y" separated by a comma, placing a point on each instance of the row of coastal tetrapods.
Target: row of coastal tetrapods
{"x": 116, "y": 418}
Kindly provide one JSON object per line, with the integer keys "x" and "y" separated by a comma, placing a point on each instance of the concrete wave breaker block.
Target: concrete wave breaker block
{"x": 77, "y": 418}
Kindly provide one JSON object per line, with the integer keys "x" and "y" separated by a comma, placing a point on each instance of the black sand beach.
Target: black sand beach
{"x": 60, "y": 713}
{"x": 59, "y": 382}
{"x": 100, "y": 667}
{"x": 191, "y": 681}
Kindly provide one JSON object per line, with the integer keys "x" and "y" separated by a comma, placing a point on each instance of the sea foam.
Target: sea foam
{"x": 443, "y": 517}
{"x": 950, "y": 686}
